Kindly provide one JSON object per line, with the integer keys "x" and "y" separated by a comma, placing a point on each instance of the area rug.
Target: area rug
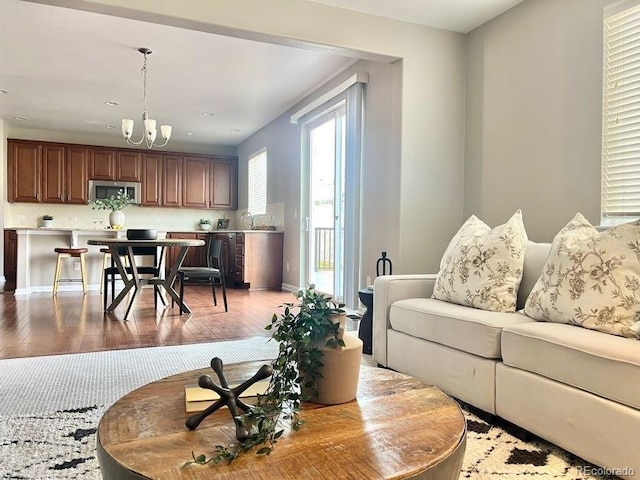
{"x": 52, "y": 405}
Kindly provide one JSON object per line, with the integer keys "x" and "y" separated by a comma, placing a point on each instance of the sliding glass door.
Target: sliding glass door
{"x": 332, "y": 137}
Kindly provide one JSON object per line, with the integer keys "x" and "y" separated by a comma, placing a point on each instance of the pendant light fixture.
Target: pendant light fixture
{"x": 150, "y": 131}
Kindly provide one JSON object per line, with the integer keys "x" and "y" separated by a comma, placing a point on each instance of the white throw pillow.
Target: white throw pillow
{"x": 482, "y": 267}
{"x": 591, "y": 279}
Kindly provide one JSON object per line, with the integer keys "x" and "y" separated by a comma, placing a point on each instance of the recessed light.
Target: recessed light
{"x": 3, "y": 91}
{"x": 190, "y": 134}
{"x": 111, "y": 126}
{"x": 235, "y": 129}
{"x": 22, "y": 119}
{"x": 208, "y": 114}
{"x": 111, "y": 103}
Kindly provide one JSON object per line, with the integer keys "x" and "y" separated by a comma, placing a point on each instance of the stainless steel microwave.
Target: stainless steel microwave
{"x": 101, "y": 189}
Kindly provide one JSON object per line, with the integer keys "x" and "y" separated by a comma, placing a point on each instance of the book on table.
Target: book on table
{"x": 197, "y": 399}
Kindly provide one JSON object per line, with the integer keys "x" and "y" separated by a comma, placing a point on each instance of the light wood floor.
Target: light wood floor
{"x": 41, "y": 324}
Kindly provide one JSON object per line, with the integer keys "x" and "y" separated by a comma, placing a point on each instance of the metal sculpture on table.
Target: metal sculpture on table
{"x": 228, "y": 396}
{"x": 384, "y": 261}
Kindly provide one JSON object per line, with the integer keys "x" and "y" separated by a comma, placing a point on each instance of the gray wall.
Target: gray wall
{"x": 534, "y": 101}
{"x": 380, "y": 183}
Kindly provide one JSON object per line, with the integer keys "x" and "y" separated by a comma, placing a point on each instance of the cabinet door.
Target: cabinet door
{"x": 223, "y": 184}
{"x": 151, "y": 180}
{"x": 195, "y": 182}
{"x": 53, "y": 174}
{"x": 24, "y": 171}
{"x": 103, "y": 164}
{"x": 77, "y": 175}
{"x": 172, "y": 181}
{"x": 128, "y": 166}
{"x": 10, "y": 259}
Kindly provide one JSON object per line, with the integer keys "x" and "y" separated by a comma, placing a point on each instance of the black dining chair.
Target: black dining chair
{"x": 213, "y": 271}
{"x": 152, "y": 270}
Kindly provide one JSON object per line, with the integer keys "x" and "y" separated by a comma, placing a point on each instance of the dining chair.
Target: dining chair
{"x": 213, "y": 271}
{"x": 153, "y": 269}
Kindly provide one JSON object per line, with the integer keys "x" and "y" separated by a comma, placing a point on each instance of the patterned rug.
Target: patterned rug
{"x": 60, "y": 444}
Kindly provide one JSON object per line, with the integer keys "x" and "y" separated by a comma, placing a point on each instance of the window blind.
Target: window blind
{"x": 621, "y": 115}
{"x": 257, "y": 184}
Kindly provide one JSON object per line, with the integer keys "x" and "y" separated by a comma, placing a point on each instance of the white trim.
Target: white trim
{"x": 359, "y": 77}
{"x": 287, "y": 287}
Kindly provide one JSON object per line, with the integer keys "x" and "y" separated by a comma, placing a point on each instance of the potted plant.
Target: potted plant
{"x": 205, "y": 224}
{"x": 47, "y": 220}
{"x": 115, "y": 203}
{"x": 308, "y": 332}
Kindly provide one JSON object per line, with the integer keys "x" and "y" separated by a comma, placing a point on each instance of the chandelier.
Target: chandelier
{"x": 150, "y": 131}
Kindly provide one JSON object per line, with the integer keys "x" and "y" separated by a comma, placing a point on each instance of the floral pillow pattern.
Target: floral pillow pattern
{"x": 591, "y": 279}
{"x": 482, "y": 267}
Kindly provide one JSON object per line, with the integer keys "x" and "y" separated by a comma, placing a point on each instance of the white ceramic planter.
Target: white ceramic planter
{"x": 116, "y": 219}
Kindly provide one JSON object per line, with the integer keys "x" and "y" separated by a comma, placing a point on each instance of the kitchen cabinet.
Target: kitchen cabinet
{"x": 59, "y": 173}
{"x": 128, "y": 166}
{"x": 223, "y": 184}
{"x": 251, "y": 259}
{"x": 195, "y": 182}
{"x": 47, "y": 172}
{"x": 152, "y": 180}
{"x": 53, "y": 173}
{"x": 172, "y": 180}
{"x": 102, "y": 165}
{"x": 24, "y": 171}
{"x": 77, "y": 175}
{"x": 10, "y": 259}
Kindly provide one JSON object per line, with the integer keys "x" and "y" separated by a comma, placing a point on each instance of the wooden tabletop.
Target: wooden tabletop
{"x": 398, "y": 427}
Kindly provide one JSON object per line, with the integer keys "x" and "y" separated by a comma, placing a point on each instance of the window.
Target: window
{"x": 258, "y": 183}
{"x": 621, "y": 116}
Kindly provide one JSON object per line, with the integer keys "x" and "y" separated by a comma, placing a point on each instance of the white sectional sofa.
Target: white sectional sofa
{"x": 577, "y": 388}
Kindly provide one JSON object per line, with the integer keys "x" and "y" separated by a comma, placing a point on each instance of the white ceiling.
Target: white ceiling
{"x": 59, "y": 66}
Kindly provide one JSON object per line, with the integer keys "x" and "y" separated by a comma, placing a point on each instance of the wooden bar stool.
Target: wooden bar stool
{"x": 70, "y": 253}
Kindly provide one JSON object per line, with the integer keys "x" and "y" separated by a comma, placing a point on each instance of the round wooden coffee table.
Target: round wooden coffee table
{"x": 398, "y": 427}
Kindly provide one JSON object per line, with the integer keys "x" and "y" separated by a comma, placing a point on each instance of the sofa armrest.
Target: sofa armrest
{"x": 388, "y": 289}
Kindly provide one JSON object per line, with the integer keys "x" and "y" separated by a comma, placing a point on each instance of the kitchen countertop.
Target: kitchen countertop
{"x": 89, "y": 230}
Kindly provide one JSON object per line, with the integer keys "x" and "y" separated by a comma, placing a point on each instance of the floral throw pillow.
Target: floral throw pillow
{"x": 482, "y": 267}
{"x": 591, "y": 279}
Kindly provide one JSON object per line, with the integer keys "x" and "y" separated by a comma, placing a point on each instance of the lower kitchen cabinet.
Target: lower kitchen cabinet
{"x": 252, "y": 259}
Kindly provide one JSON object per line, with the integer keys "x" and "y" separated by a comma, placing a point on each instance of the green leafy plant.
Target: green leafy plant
{"x": 299, "y": 329}
{"x": 113, "y": 203}
{"x": 47, "y": 217}
{"x": 204, "y": 221}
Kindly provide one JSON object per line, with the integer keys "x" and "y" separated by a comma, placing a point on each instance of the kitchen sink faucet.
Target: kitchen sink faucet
{"x": 250, "y": 216}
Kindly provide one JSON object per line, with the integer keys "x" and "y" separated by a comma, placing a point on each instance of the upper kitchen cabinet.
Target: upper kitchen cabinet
{"x": 53, "y": 173}
{"x": 47, "y": 172}
{"x": 128, "y": 166}
{"x": 171, "y": 181}
{"x": 152, "y": 180}
{"x": 23, "y": 171}
{"x": 77, "y": 170}
{"x": 223, "y": 186}
{"x": 102, "y": 164}
{"x": 195, "y": 182}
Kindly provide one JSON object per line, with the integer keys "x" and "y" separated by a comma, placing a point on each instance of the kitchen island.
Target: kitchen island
{"x": 253, "y": 258}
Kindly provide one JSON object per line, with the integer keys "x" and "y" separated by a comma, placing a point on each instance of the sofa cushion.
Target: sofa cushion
{"x": 535, "y": 256}
{"x": 591, "y": 279}
{"x": 482, "y": 267}
{"x": 605, "y": 365}
{"x": 467, "y": 329}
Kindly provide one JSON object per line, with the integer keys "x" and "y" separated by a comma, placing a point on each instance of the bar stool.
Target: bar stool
{"x": 70, "y": 253}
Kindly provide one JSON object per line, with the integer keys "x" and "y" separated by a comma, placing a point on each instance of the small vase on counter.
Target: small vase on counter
{"x": 116, "y": 219}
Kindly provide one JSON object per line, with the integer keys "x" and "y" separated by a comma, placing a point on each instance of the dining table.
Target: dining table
{"x": 130, "y": 275}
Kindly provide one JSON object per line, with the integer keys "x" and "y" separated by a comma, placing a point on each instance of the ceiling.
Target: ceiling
{"x": 59, "y": 66}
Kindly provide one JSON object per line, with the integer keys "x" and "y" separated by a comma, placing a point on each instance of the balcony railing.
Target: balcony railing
{"x": 324, "y": 249}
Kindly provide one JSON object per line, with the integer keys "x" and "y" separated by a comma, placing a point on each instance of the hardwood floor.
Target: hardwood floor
{"x": 41, "y": 324}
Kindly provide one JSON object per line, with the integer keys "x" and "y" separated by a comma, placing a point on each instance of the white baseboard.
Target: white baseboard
{"x": 289, "y": 288}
